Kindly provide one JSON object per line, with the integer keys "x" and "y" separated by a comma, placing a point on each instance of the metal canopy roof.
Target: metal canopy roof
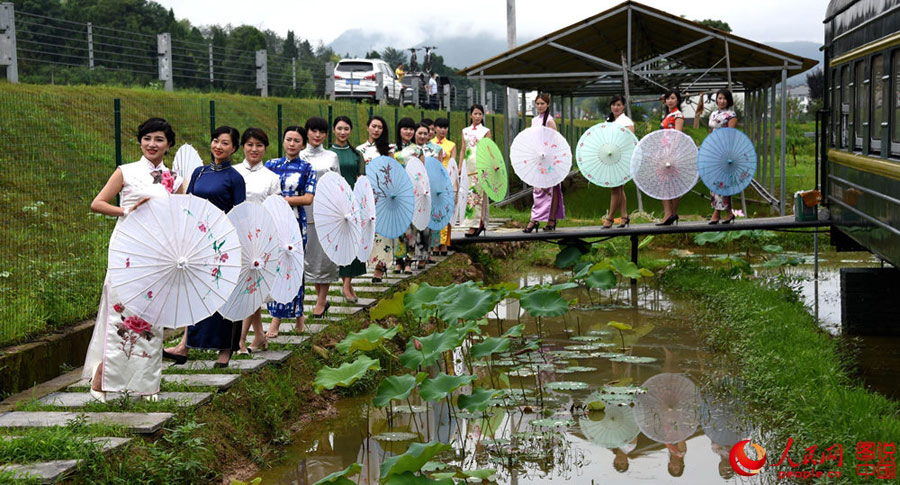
{"x": 659, "y": 50}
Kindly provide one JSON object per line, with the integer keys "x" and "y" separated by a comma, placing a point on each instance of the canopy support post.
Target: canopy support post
{"x": 728, "y": 63}
{"x": 634, "y": 259}
{"x": 637, "y": 190}
{"x": 783, "y": 133}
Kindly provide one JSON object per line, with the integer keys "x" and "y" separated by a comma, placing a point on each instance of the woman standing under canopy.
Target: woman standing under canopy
{"x": 673, "y": 120}
{"x": 548, "y": 202}
{"x": 319, "y": 268}
{"x": 478, "y": 202}
{"x": 260, "y": 183}
{"x": 724, "y": 117}
{"x": 224, "y": 187}
{"x": 617, "y": 198}
{"x": 352, "y": 167}
{"x": 378, "y": 144}
{"x": 297, "y": 182}
{"x": 125, "y": 353}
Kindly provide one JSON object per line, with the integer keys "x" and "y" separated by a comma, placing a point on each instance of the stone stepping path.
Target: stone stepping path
{"x": 139, "y": 423}
{"x": 219, "y": 381}
{"x": 288, "y": 328}
{"x": 273, "y": 356}
{"x": 330, "y": 317}
{"x": 79, "y": 399}
{"x": 53, "y": 471}
{"x": 243, "y": 365}
{"x": 287, "y": 339}
{"x": 340, "y": 300}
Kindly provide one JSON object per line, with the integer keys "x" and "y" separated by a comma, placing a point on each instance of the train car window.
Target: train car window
{"x": 835, "y": 107}
{"x": 877, "y": 102}
{"x": 895, "y": 137}
{"x": 846, "y": 101}
{"x": 862, "y": 104}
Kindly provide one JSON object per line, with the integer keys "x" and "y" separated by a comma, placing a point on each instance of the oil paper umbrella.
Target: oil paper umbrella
{"x": 175, "y": 261}
{"x": 185, "y": 162}
{"x": 364, "y": 198}
{"x": 289, "y": 261}
{"x": 453, "y": 172}
{"x": 491, "y": 169}
{"x": 442, "y": 196}
{"x": 669, "y": 411}
{"x": 462, "y": 195}
{"x": 616, "y": 429}
{"x": 394, "y": 199}
{"x": 540, "y": 156}
{"x": 337, "y": 219}
{"x": 604, "y": 153}
{"x": 664, "y": 164}
{"x": 260, "y": 248}
{"x": 727, "y": 161}
{"x": 422, "y": 191}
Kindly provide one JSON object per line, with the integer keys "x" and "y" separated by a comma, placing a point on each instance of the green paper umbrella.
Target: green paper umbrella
{"x": 604, "y": 154}
{"x": 491, "y": 169}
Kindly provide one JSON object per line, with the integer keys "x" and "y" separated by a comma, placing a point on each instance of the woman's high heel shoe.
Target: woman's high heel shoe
{"x": 532, "y": 226}
{"x": 728, "y": 221}
{"x": 550, "y": 227}
{"x": 479, "y": 230}
{"x": 607, "y": 220}
{"x": 713, "y": 222}
{"x": 98, "y": 395}
{"x": 178, "y": 358}
{"x": 625, "y": 221}
{"x": 669, "y": 220}
{"x": 324, "y": 312}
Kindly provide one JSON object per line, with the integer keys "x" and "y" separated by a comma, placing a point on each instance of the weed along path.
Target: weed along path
{"x": 50, "y": 434}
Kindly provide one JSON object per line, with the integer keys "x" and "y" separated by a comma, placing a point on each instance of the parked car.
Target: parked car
{"x": 356, "y": 79}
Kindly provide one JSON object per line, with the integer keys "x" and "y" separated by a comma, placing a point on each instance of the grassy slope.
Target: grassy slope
{"x": 58, "y": 149}
{"x": 792, "y": 372}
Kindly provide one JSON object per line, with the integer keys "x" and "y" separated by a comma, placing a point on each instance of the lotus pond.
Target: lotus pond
{"x": 551, "y": 378}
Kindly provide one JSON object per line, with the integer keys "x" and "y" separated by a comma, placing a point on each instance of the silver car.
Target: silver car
{"x": 356, "y": 79}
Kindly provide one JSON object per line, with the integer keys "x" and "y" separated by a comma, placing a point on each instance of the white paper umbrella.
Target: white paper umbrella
{"x": 260, "y": 248}
{"x": 453, "y": 171}
{"x": 422, "y": 192}
{"x": 175, "y": 261}
{"x": 289, "y": 267}
{"x": 337, "y": 219}
{"x": 462, "y": 196}
{"x": 604, "y": 153}
{"x": 669, "y": 411}
{"x": 364, "y": 199}
{"x": 664, "y": 164}
{"x": 540, "y": 156}
{"x": 616, "y": 429}
{"x": 186, "y": 161}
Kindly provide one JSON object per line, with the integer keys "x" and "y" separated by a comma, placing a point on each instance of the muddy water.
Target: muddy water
{"x": 677, "y": 431}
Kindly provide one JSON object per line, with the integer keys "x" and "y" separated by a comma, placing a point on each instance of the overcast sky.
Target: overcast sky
{"x": 414, "y": 22}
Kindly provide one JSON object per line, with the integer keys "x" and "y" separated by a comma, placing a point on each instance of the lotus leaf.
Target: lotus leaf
{"x": 420, "y": 300}
{"x": 597, "y": 332}
{"x": 585, "y": 347}
{"x": 645, "y": 242}
{"x": 442, "y": 476}
{"x": 441, "y": 385}
{"x": 367, "y": 339}
{"x": 340, "y": 478}
{"x": 603, "y": 279}
{"x": 586, "y": 338}
{"x": 433, "y": 466}
{"x": 772, "y": 248}
{"x": 472, "y": 326}
{"x": 705, "y": 237}
{"x": 514, "y": 331}
{"x": 567, "y": 257}
{"x": 619, "y": 325}
{"x": 388, "y": 306}
{"x": 626, "y": 268}
{"x": 566, "y": 385}
{"x": 432, "y": 347}
{"x": 484, "y": 473}
{"x": 414, "y": 409}
{"x": 394, "y": 387}
{"x": 581, "y": 270}
{"x": 477, "y": 401}
{"x": 633, "y": 359}
{"x": 552, "y": 422}
{"x": 490, "y": 345}
{"x": 545, "y": 303}
{"x": 465, "y": 302}
{"x": 346, "y": 374}
{"x": 412, "y": 461}
{"x": 395, "y": 436}
{"x": 568, "y": 285}
{"x": 576, "y": 368}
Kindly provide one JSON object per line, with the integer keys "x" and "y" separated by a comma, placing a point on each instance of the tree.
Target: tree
{"x": 816, "y": 82}
{"x": 393, "y": 56}
{"x": 716, "y": 24}
{"x": 240, "y": 58}
{"x": 289, "y": 49}
{"x": 373, "y": 55}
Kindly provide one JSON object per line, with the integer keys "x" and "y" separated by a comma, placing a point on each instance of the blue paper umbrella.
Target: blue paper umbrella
{"x": 442, "y": 196}
{"x": 394, "y": 199}
{"x": 726, "y": 161}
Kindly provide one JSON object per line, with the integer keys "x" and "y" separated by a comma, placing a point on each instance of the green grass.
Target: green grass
{"x": 794, "y": 374}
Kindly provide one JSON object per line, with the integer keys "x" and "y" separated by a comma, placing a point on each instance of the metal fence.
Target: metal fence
{"x": 58, "y": 148}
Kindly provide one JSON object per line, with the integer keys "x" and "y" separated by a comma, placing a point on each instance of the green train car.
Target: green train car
{"x": 860, "y": 134}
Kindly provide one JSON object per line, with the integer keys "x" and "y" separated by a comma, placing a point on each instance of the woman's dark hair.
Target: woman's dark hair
{"x": 478, "y": 107}
{"x": 316, "y": 123}
{"x": 298, "y": 129}
{"x": 230, "y": 130}
{"x": 545, "y": 98}
{"x": 156, "y": 124}
{"x": 427, "y": 122}
{"x": 669, "y": 93}
{"x": 442, "y": 123}
{"x": 404, "y": 123}
{"x": 382, "y": 143}
{"x": 613, "y": 100}
{"x": 344, "y": 119}
{"x": 728, "y": 97}
{"x": 254, "y": 133}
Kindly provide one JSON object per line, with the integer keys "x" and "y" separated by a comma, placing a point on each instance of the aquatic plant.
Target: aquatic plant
{"x": 346, "y": 374}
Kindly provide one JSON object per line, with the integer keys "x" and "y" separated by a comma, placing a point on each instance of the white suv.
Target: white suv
{"x": 355, "y": 79}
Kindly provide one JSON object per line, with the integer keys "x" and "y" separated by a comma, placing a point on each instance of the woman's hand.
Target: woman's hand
{"x": 139, "y": 203}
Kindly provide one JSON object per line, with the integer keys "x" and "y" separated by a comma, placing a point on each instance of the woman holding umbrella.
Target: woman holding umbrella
{"x": 406, "y": 149}
{"x": 297, "y": 181}
{"x": 617, "y": 198}
{"x": 378, "y": 144}
{"x": 724, "y": 117}
{"x": 224, "y": 187}
{"x": 352, "y": 166}
{"x": 428, "y": 149}
{"x": 319, "y": 270}
{"x": 673, "y": 120}
{"x": 548, "y": 203}
{"x": 107, "y": 364}
{"x": 478, "y": 200}
{"x": 260, "y": 183}
{"x": 441, "y": 127}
